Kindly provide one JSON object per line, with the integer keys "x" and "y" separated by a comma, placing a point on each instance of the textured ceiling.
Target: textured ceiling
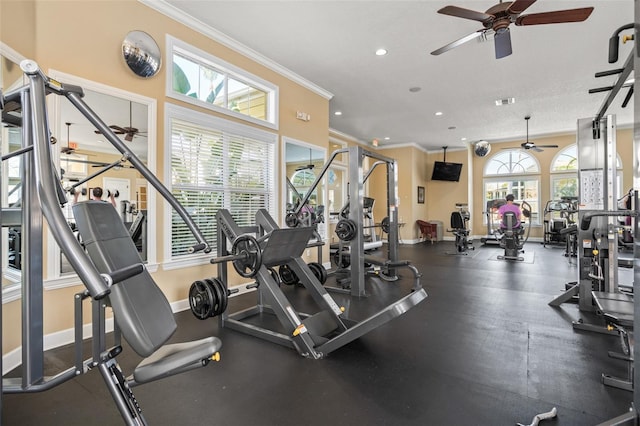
{"x": 332, "y": 44}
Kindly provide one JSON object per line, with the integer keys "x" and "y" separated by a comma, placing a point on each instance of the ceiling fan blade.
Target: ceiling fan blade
{"x": 555, "y": 17}
{"x": 458, "y": 42}
{"x": 460, "y": 12}
{"x": 519, "y": 6}
{"x": 502, "y": 41}
{"x": 536, "y": 149}
{"x": 547, "y": 146}
{"x": 129, "y": 136}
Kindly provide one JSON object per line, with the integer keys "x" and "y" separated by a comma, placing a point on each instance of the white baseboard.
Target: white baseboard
{"x": 13, "y": 359}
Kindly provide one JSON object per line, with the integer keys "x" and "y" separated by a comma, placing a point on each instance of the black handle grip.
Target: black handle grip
{"x": 126, "y": 272}
{"x": 614, "y": 41}
{"x": 199, "y": 247}
{"x": 585, "y": 222}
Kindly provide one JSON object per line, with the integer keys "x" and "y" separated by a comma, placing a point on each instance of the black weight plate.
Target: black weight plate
{"x": 346, "y": 229}
{"x": 201, "y": 300}
{"x": 385, "y": 225}
{"x": 291, "y": 220}
{"x": 287, "y": 275}
{"x": 319, "y": 271}
{"x": 341, "y": 261}
{"x": 250, "y": 256}
{"x": 215, "y": 311}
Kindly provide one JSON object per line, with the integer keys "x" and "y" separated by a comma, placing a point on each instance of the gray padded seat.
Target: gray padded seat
{"x": 140, "y": 309}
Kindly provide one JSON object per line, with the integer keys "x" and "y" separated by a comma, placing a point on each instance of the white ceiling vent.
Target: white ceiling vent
{"x": 505, "y": 101}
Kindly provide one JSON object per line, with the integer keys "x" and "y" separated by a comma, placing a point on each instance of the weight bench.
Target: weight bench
{"x": 617, "y": 309}
{"x": 141, "y": 311}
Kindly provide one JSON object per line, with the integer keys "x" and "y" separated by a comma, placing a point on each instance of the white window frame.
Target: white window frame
{"x": 562, "y": 174}
{"x": 175, "y": 45}
{"x": 172, "y": 112}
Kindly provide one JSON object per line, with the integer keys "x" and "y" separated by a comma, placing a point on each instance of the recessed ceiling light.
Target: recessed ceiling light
{"x": 505, "y": 101}
{"x": 337, "y": 113}
{"x": 463, "y": 139}
{"x": 386, "y": 138}
{"x": 439, "y": 113}
{"x": 381, "y": 52}
{"x": 415, "y": 89}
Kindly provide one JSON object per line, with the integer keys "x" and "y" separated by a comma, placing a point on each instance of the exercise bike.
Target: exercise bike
{"x": 459, "y": 220}
{"x": 514, "y": 234}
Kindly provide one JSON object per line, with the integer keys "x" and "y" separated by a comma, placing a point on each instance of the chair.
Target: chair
{"x": 427, "y": 230}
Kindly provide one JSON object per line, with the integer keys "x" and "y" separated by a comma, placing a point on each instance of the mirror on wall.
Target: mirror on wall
{"x": 141, "y": 54}
{"x": 84, "y": 152}
{"x": 11, "y": 77}
{"x": 303, "y": 163}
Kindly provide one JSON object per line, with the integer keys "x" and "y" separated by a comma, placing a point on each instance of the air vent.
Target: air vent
{"x": 505, "y": 101}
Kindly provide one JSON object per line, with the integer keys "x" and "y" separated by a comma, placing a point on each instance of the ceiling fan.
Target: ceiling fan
{"x": 498, "y": 18}
{"x": 530, "y": 145}
{"x": 309, "y": 166}
{"x": 67, "y": 149}
{"x": 128, "y": 131}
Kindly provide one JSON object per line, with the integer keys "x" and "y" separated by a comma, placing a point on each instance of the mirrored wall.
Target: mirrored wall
{"x": 303, "y": 164}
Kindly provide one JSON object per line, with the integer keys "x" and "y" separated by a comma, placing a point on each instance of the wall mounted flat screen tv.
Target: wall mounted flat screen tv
{"x": 446, "y": 171}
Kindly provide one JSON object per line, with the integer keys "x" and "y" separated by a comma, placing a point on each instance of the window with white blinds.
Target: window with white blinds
{"x": 217, "y": 164}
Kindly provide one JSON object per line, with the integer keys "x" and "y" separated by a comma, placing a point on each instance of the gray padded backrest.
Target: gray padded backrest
{"x": 140, "y": 308}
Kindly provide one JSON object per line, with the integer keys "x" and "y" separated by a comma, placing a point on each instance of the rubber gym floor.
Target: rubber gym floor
{"x": 483, "y": 349}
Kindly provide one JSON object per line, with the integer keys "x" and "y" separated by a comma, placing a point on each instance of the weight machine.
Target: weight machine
{"x": 256, "y": 250}
{"x": 598, "y": 241}
{"x": 110, "y": 269}
{"x": 558, "y": 216}
{"x": 351, "y": 229}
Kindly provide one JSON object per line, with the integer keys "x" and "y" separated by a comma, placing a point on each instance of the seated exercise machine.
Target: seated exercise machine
{"x": 110, "y": 268}
{"x": 256, "y": 251}
{"x": 459, "y": 228}
{"x": 513, "y": 234}
{"x": 491, "y": 215}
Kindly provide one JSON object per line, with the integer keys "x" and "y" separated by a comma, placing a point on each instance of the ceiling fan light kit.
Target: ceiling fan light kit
{"x": 530, "y": 145}
{"x": 498, "y": 18}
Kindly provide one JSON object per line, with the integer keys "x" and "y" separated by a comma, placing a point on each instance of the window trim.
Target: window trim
{"x": 173, "y": 111}
{"x": 506, "y": 151}
{"x": 199, "y": 55}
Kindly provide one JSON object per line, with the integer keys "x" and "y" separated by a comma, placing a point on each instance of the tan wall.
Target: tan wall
{"x": 84, "y": 39}
{"x": 442, "y": 196}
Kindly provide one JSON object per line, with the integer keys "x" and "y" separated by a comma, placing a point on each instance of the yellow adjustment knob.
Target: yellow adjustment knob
{"x": 626, "y": 38}
{"x": 299, "y": 329}
{"x": 215, "y": 357}
{"x": 609, "y": 328}
{"x": 595, "y": 252}
{"x": 342, "y": 309}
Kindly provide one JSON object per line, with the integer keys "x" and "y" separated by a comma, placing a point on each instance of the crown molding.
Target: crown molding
{"x": 219, "y": 37}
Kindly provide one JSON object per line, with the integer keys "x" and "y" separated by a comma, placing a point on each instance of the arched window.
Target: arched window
{"x": 564, "y": 173}
{"x": 513, "y": 172}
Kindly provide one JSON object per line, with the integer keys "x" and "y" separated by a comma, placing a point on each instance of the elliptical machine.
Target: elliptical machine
{"x": 514, "y": 234}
